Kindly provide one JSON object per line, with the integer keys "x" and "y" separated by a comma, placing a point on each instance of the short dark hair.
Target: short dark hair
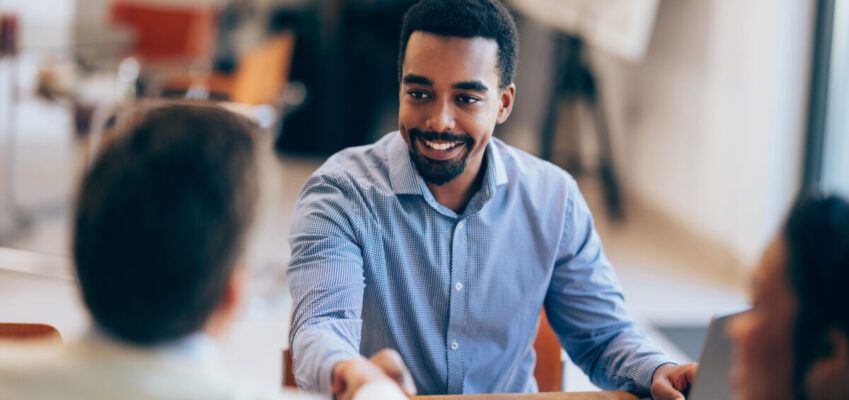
{"x": 817, "y": 238}
{"x": 488, "y": 19}
{"x": 160, "y": 221}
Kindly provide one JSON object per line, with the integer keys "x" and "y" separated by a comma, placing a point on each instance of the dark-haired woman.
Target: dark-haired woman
{"x": 794, "y": 343}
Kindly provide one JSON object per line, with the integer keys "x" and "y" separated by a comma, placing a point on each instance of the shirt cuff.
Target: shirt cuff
{"x": 645, "y": 376}
{"x": 384, "y": 390}
{"x": 325, "y": 373}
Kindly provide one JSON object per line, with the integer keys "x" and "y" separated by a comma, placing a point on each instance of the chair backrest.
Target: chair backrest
{"x": 26, "y": 332}
{"x": 263, "y": 72}
{"x": 548, "y": 371}
{"x": 164, "y": 32}
{"x": 288, "y": 370}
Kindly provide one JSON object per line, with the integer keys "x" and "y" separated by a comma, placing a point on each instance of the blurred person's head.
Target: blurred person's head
{"x": 456, "y": 64}
{"x": 160, "y": 223}
{"x": 794, "y": 343}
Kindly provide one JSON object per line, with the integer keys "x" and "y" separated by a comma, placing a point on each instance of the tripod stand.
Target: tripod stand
{"x": 575, "y": 82}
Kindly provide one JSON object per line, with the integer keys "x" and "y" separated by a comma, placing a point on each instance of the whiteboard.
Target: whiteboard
{"x": 620, "y": 27}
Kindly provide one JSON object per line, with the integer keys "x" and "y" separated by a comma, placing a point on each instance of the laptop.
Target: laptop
{"x": 713, "y": 381}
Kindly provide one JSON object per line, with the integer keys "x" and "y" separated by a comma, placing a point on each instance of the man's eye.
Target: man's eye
{"x": 418, "y": 94}
{"x": 467, "y": 99}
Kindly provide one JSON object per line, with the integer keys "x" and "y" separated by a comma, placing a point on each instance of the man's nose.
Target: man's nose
{"x": 442, "y": 119}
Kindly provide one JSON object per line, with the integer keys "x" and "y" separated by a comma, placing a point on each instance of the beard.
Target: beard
{"x": 439, "y": 172}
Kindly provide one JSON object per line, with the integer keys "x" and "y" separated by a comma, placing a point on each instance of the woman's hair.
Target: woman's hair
{"x": 817, "y": 238}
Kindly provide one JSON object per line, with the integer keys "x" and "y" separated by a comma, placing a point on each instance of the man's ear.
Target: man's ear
{"x": 506, "y": 99}
{"x": 830, "y": 372}
{"x": 230, "y": 303}
{"x": 234, "y": 295}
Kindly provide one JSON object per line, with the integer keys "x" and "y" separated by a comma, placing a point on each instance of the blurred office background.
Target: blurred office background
{"x": 691, "y": 125}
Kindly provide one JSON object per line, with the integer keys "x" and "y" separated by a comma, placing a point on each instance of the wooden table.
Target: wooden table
{"x": 537, "y": 396}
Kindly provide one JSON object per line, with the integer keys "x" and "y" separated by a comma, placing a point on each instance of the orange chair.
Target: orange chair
{"x": 549, "y": 368}
{"x": 27, "y": 332}
{"x": 260, "y": 77}
{"x": 262, "y": 74}
{"x": 166, "y": 33}
{"x": 548, "y": 371}
{"x": 288, "y": 370}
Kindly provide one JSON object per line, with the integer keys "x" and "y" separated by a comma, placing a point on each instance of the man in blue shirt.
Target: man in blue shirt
{"x": 443, "y": 244}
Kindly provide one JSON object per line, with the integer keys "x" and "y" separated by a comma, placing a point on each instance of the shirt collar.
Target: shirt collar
{"x": 498, "y": 174}
{"x": 402, "y": 173}
{"x": 198, "y": 346}
{"x": 406, "y": 180}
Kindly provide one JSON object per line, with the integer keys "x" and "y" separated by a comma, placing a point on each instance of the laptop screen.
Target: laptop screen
{"x": 713, "y": 381}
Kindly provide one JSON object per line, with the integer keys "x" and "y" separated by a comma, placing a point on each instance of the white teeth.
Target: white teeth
{"x": 440, "y": 146}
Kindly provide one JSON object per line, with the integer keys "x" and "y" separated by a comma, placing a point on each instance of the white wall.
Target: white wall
{"x": 709, "y": 128}
{"x": 43, "y": 23}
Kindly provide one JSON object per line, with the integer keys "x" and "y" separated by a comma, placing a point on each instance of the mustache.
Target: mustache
{"x": 416, "y": 133}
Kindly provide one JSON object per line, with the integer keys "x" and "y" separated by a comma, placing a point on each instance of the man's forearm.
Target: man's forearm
{"x": 316, "y": 350}
{"x": 630, "y": 360}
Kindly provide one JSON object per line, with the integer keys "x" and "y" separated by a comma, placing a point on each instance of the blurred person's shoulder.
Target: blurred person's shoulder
{"x": 35, "y": 370}
{"x": 15, "y": 355}
{"x": 86, "y": 371}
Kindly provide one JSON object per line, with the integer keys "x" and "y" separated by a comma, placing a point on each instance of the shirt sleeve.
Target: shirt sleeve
{"x": 585, "y": 307}
{"x": 326, "y": 282}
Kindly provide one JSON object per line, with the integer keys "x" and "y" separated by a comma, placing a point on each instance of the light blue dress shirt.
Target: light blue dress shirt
{"x": 378, "y": 263}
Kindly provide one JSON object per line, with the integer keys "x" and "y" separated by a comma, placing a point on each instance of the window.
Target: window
{"x": 835, "y": 172}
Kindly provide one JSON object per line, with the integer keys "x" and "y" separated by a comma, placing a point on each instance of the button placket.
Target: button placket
{"x": 457, "y": 309}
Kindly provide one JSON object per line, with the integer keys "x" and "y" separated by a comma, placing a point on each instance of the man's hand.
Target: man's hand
{"x": 386, "y": 365}
{"x": 670, "y": 381}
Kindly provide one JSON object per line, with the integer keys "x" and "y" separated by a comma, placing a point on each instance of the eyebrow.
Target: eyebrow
{"x": 476, "y": 86}
{"x": 412, "y": 79}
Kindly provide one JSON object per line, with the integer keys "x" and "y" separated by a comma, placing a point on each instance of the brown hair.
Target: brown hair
{"x": 161, "y": 219}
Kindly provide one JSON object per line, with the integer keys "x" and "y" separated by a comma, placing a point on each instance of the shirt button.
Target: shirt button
{"x": 460, "y": 225}
{"x": 455, "y": 345}
{"x": 458, "y": 286}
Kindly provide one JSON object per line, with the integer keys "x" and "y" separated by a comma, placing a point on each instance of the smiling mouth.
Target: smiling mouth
{"x": 440, "y": 150}
{"x": 440, "y": 145}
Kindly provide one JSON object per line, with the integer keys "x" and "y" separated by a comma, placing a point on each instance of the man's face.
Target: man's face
{"x": 450, "y": 103}
{"x": 763, "y": 347}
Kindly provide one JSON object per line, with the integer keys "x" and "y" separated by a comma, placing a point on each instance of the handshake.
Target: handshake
{"x": 383, "y": 376}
